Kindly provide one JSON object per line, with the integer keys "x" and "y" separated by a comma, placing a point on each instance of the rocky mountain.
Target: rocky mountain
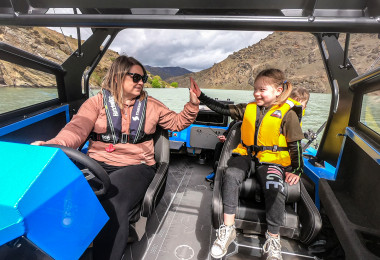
{"x": 50, "y": 45}
{"x": 167, "y": 72}
{"x": 295, "y": 53}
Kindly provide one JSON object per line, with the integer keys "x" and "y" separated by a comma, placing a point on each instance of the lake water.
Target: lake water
{"x": 316, "y": 112}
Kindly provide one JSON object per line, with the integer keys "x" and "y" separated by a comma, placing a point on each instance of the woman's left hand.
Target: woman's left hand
{"x": 291, "y": 178}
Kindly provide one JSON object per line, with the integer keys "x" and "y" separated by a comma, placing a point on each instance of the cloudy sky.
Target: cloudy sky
{"x": 194, "y": 50}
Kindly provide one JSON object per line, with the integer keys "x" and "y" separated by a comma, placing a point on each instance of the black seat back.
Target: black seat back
{"x": 250, "y": 214}
{"x": 156, "y": 188}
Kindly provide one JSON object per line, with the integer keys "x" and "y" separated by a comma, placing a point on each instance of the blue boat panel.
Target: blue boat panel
{"x": 21, "y": 165}
{"x": 180, "y": 136}
{"x": 58, "y": 208}
{"x": 68, "y": 222}
{"x": 11, "y": 225}
{"x": 23, "y": 123}
{"x": 315, "y": 172}
{"x": 184, "y": 135}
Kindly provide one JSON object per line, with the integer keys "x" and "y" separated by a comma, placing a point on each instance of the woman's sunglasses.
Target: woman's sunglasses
{"x": 137, "y": 77}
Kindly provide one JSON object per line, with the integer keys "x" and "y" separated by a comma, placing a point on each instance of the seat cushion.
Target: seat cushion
{"x": 251, "y": 188}
{"x": 250, "y": 216}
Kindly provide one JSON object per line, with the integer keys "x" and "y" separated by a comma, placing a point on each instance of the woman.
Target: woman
{"x": 121, "y": 120}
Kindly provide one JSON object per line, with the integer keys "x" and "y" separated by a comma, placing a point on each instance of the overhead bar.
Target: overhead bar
{"x": 204, "y": 22}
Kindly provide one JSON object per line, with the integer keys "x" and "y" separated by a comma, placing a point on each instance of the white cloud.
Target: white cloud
{"x": 191, "y": 49}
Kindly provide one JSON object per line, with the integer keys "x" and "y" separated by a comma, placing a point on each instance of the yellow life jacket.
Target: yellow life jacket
{"x": 268, "y": 144}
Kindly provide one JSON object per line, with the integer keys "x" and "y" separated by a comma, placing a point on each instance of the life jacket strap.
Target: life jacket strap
{"x": 123, "y": 140}
{"x": 261, "y": 148}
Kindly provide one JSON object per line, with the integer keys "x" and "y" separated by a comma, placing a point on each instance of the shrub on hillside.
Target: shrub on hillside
{"x": 156, "y": 83}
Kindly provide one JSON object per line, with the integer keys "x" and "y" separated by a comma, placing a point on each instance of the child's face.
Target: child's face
{"x": 265, "y": 93}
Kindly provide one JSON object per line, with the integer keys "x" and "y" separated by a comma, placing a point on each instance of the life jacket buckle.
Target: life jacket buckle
{"x": 275, "y": 148}
{"x": 124, "y": 138}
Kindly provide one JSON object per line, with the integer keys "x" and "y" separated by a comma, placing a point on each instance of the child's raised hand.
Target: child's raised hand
{"x": 291, "y": 178}
{"x": 194, "y": 87}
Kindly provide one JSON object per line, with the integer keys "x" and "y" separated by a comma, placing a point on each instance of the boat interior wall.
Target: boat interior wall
{"x": 250, "y": 214}
{"x": 351, "y": 200}
{"x": 339, "y": 75}
{"x": 26, "y": 128}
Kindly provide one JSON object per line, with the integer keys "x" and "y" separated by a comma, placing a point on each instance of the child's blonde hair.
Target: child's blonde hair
{"x": 300, "y": 94}
{"x": 277, "y": 79}
{"x": 113, "y": 81}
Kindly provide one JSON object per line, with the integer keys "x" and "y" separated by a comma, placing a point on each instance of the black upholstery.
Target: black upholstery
{"x": 302, "y": 219}
{"x": 156, "y": 188}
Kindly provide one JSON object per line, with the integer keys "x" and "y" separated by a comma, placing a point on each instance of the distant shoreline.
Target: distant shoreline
{"x": 27, "y": 86}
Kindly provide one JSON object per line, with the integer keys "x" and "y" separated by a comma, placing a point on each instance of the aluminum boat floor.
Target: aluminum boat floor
{"x": 181, "y": 228}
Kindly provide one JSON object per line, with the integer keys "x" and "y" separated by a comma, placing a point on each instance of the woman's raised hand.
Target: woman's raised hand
{"x": 194, "y": 89}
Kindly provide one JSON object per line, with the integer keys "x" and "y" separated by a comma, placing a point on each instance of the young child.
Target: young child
{"x": 301, "y": 95}
{"x": 273, "y": 118}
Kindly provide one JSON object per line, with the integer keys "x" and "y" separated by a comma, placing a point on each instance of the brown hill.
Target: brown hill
{"x": 295, "y": 53}
{"x": 50, "y": 45}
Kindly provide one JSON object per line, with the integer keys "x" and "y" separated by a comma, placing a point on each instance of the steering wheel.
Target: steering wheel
{"x": 94, "y": 167}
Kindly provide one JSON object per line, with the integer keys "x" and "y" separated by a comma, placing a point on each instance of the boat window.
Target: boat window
{"x": 362, "y": 45}
{"x": 21, "y": 87}
{"x": 48, "y": 43}
{"x": 370, "y": 113}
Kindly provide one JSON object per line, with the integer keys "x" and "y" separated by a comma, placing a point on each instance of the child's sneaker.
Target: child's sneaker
{"x": 224, "y": 237}
{"x": 210, "y": 177}
{"x": 272, "y": 247}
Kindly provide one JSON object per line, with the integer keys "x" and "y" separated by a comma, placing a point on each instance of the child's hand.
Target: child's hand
{"x": 291, "y": 178}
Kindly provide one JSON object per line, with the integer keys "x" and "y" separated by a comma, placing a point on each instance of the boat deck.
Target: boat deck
{"x": 181, "y": 227}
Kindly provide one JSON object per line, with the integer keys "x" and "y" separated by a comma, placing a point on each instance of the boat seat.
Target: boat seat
{"x": 155, "y": 191}
{"x": 302, "y": 218}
